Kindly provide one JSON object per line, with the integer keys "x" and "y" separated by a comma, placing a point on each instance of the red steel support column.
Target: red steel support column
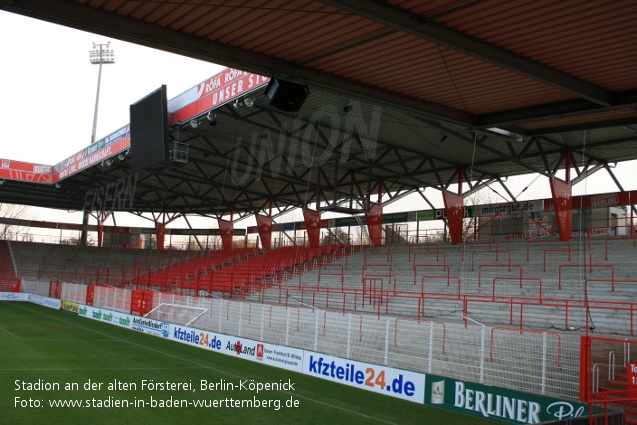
{"x": 160, "y": 231}
{"x": 562, "y": 204}
{"x": 313, "y": 227}
{"x": 264, "y": 226}
{"x": 374, "y": 218}
{"x": 100, "y": 233}
{"x": 227, "y": 230}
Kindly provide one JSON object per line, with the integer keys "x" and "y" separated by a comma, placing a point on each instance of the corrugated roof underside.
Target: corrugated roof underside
{"x": 593, "y": 40}
{"x": 327, "y": 39}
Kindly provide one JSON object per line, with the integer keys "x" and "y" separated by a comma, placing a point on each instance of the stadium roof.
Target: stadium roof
{"x": 483, "y": 89}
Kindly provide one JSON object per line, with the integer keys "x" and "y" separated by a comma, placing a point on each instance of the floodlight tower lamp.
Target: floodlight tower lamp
{"x": 100, "y": 54}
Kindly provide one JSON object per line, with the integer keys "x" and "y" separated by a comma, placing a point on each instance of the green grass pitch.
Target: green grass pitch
{"x": 54, "y": 348}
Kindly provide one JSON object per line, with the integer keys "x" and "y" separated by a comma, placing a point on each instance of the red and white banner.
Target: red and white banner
{"x": 264, "y": 224}
{"x": 605, "y": 200}
{"x": 217, "y": 90}
{"x": 24, "y": 171}
{"x": 99, "y": 151}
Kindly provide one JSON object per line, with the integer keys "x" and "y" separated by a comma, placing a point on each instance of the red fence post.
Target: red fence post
{"x": 90, "y": 294}
{"x": 584, "y": 383}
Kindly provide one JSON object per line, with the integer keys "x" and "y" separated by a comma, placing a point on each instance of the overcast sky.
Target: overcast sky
{"x": 48, "y": 87}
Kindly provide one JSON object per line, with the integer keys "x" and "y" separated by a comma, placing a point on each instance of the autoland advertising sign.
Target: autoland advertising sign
{"x": 498, "y": 404}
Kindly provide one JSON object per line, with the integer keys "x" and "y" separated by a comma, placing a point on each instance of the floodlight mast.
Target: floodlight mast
{"x": 100, "y": 54}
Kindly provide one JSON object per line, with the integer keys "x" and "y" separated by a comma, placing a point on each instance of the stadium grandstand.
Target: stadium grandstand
{"x": 406, "y": 184}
